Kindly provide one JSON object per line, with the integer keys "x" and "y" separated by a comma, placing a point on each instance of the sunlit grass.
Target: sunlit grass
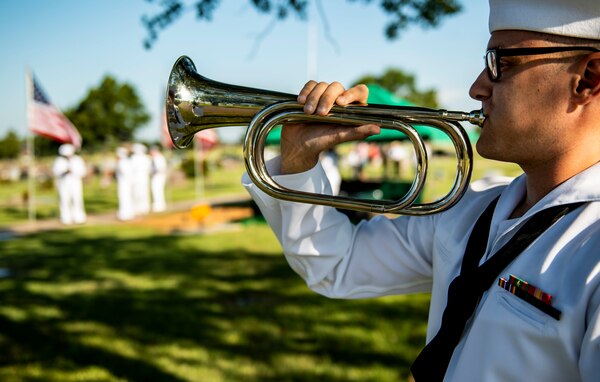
{"x": 128, "y": 304}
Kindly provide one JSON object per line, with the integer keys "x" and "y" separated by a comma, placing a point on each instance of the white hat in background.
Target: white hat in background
{"x": 573, "y": 18}
{"x": 122, "y": 152}
{"x": 139, "y": 148}
{"x": 66, "y": 150}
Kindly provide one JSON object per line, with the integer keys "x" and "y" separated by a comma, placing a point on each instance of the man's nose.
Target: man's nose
{"x": 481, "y": 88}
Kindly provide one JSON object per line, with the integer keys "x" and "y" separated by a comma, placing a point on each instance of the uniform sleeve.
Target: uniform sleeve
{"x": 339, "y": 259}
{"x": 78, "y": 167}
{"x": 60, "y": 167}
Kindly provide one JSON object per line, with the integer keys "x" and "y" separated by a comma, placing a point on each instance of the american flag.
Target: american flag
{"x": 207, "y": 139}
{"x": 165, "y": 137}
{"x": 46, "y": 120}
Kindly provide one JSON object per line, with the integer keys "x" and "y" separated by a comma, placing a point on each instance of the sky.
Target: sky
{"x": 70, "y": 45}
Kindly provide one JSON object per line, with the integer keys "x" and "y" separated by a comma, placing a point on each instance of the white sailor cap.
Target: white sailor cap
{"x": 573, "y": 18}
{"x": 66, "y": 150}
{"x": 139, "y": 148}
{"x": 122, "y": 152}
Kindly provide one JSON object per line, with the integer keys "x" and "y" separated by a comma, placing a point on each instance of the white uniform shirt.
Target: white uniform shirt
{"x": 124, "y": 174}
{"x": 141, "y": 167}
{"x": 508, "y": 339}
{"x": 157, "y": 182}
{"x": 68, "y": 173}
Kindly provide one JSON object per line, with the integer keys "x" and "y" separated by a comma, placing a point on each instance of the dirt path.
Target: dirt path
{"x": 184, "y": 216}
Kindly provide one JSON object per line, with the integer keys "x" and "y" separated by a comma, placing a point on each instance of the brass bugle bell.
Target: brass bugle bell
{"x": 195, "y": 103}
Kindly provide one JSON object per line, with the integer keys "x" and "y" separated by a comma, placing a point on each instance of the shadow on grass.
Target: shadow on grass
{"x": 108, "y": 307}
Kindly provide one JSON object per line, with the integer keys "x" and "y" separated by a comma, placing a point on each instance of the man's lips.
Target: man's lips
{"x": 486, "y": 114}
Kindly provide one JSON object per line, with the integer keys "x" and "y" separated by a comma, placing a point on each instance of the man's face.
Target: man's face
{"x": 525, "y": 108}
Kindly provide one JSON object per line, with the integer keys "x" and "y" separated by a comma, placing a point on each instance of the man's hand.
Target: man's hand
{"x": 301, "y": 143}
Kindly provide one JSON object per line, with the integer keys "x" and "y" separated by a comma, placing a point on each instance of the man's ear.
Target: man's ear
{"x": 588, "y": 85}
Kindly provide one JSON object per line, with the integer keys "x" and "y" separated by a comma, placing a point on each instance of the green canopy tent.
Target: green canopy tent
{"x": 381, "y": 96}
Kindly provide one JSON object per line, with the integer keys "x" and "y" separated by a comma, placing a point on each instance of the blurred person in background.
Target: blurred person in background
{"x": 141, "y": 167}
{"x": 69, "y": 170}
{"x": 124, "y": 176}
{"x": 398, "y": 156}
{"x": 158, "y": 179}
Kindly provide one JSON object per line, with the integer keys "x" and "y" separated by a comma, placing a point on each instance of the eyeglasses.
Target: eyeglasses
{"x": 493, "y": 56}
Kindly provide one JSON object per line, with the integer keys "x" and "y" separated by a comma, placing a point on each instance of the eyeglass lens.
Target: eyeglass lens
{"x": 492, "y": 68}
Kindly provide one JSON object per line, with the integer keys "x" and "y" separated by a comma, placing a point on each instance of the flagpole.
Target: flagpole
{"x": 31, "y": 212}
{"x": 166, "y": 146}
{"x": 198, "y": 169}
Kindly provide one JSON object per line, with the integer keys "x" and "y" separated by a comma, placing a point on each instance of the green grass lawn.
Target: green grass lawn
{"x": 105, "y": 304}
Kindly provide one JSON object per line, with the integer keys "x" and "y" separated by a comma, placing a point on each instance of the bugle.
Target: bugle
{"x": 195, "y": 103}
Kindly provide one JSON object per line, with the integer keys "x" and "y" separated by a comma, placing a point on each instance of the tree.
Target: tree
{"x": 403, "y": 13}
{"x": 402, "y": 85}
{"x": 110, "y": 112}
{"x": 43, "y": 146}
{"x": 10, "y": 146}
